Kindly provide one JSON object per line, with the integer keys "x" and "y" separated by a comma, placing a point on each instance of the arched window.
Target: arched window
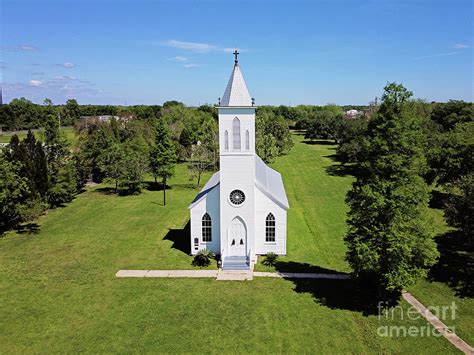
{"x": 247, "y": 140}
{"x": 270, "y": 228}
{"x": 236, "y": 134}
{"x": 206, "y": 228}
{"x": 226, "y": 140}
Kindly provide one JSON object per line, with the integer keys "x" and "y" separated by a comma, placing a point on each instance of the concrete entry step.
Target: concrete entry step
{"x": 235, "y": 263}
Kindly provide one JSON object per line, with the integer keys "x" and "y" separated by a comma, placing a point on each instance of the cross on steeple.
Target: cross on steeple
{"x": 236, "y": 54}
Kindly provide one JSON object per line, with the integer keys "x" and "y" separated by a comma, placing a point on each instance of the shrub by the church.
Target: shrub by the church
{"x": 270, "y": 259}
{"x": 203, "y": 258}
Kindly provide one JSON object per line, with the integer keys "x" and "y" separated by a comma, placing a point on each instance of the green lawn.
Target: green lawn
{"x": 68, "y": 131}
{"x": 58, "y": 292}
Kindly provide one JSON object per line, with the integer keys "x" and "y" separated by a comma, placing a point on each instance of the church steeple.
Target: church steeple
{"x": 236, "y": 93}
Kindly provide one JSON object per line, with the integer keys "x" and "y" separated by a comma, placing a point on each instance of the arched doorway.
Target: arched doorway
{"x": 237, "y": 238}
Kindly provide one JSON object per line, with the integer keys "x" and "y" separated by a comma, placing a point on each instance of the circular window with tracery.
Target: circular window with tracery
{"x": 237, "y": 197}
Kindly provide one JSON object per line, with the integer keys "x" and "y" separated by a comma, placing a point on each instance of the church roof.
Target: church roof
{"x": 270, "y": 182}
{"x": 267, "y": 180}
{"x": 211, "y": 183}
{"x": 236, "y": 92}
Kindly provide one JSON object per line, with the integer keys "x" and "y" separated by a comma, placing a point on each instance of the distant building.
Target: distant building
{"x": 352, "y": 114}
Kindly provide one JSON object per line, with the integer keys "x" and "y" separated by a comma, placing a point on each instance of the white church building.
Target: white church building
{"x": 241, "y": 211}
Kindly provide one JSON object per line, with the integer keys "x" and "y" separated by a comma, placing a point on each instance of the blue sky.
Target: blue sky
{"x": 292, "y": 52}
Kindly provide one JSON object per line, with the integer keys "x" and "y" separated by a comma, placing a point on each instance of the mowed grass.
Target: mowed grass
{"x": 67, "y": 131}
{"x": 59, "y": 293}
{"x": 436, "y": 294}
{"x": 317, "y": 215}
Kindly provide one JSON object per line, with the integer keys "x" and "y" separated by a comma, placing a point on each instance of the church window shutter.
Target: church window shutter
{"x": 226, "y": 140}
{"x": 247, "y": 140}
{"x": 270, "y": 228}
{"x": 206, "y": 228}
{"x": 236, "y": 134}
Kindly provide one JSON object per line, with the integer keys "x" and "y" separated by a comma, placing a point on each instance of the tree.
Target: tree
{"x": 133, "y": 166}
{"x": 72, "y": 112}
{"x": 201, "y": 161}
{"x": 30, "y": 154}
{"x": 209, "y": 137}
{"x": 61, "y": 185}
{"x": 186, "y": 142}
{"x": 459, "y": 209}
{"x": 325, "y": 123}
{"x": 13, "y": 189}
{"x": 389, "y": 238}
{"x": 162, "y": 155}
{"x": 110, "y": 162}
{"x": 351, "y": 136}
{"x": 272, "y": 135}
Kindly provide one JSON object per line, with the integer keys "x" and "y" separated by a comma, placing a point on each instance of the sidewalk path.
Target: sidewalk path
{"x": 438, "y": 325}
{"x": 227, "y": 275}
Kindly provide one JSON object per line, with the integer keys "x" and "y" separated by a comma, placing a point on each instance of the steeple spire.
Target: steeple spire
{"x": 236, "y": 60}
{"x": 236, "y": 92}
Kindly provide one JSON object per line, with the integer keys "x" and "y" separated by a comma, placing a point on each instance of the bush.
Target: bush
{"x": 203, "y": 258}
{"x": 32, "y": 209}
{"x": 270, "y": 259}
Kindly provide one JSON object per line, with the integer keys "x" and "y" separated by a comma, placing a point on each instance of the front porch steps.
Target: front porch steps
{"x": 235, "y": 263}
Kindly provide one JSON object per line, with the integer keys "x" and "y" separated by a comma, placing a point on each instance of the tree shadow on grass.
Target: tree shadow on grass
{"x": 107, "y": 190}
{"x": 293, "y": 266}
{"x": 455, "y": 266}
{"x": 318, "y": 142}
{"x": 347, "y": 294}
{"x": 28, "y": 228}
{"x": 152, "y": 186}
{"x": 180, "y": 238}
{"x": 342, "y": 170}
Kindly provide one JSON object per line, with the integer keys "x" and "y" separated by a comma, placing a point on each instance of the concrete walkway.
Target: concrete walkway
{"x": 438, "y": 324}
{"x": 227, "y": 275}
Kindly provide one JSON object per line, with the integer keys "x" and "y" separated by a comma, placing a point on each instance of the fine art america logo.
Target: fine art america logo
{"x": 445, "y": 314}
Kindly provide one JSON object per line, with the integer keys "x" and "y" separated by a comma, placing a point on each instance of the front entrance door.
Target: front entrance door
{"x": 237, "y": 238}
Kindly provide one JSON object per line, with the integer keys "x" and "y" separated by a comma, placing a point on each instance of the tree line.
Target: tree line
{"x": 48, "y": 171}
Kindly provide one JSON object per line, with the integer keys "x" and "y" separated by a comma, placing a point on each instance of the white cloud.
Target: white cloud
{"x": 191, "y": 65}
{"x": 180, "y": 59}
{"x": 196, "y": 46}
{"x": 461, "y": 46}
{"x": 189, "y": 46}
{"x": 35, "y": 82}
{"x": 436, "y": 55}
{"x": 20, "y": 48}
{"x": 67, "y": 65}
{"x": 65, "y": 78}
{"x": 27, "y": 47}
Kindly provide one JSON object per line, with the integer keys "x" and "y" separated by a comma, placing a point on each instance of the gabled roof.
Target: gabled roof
{"x": 236, "y": 92}
{"x": 267, "y": 180}
{"x": 213, "y": 182}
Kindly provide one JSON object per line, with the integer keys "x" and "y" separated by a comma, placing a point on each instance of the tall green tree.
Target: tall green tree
{"x": 13, "y": 190}
{"x": 162, "y": 155}
{"x": 110, "y": 162}
{"x": 389, "y": 238}
{"x": 61, "y": 184}
{"x": 71, "y": 112}
{"x": 200, "y": 161}
{"x": 459, "y": 210}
